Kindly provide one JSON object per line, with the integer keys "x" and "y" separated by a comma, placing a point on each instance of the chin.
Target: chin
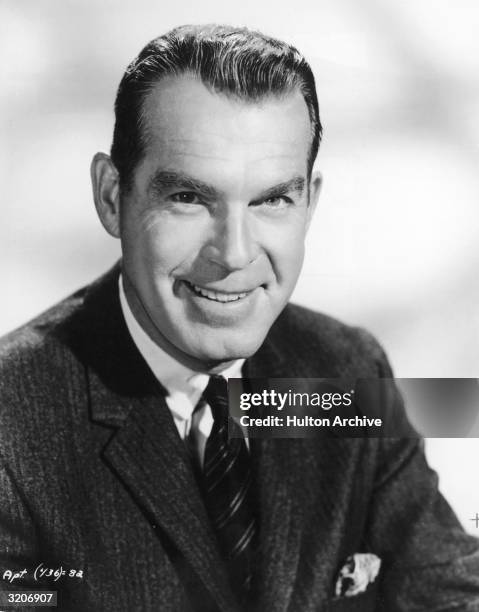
{"x": 229, "y": 349}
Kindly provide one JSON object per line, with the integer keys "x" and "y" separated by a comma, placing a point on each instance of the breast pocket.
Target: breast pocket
{"x": 363, "y": 602}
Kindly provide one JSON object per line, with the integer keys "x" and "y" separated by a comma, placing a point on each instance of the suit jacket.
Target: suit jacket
{"x": 96, "y": 483}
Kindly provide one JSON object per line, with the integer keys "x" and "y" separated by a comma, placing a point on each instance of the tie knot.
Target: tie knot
{"x": 216, "y": 394}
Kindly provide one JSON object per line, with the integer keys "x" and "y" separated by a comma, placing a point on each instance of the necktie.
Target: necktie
{"x": 228, "y": 491}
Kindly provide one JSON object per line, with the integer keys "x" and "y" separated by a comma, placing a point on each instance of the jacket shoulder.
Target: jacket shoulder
{"x": 314, "y": 334}
{"x": 51, "y": 330}
{"x": 37, "y": 335}
{"x": 321, "y": 327}
{"x": 37, "y": 368}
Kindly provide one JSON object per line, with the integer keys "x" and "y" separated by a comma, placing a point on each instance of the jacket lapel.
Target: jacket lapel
{"x": 276, "y": 464}
{"x": 286, "y": 470}
{"x": 148, "y": 456}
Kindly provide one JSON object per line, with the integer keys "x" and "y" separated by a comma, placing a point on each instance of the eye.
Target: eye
{"x": 186, "y": 197}
{"x": 277, "y": 202}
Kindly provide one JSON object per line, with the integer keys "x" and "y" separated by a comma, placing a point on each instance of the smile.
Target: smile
{"x": 217, "y": 296}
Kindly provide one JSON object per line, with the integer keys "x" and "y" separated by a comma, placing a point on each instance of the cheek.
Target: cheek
{"x": 164, "y": 244}
{"x": 291, "y": 261}
{"x": 284, "y": 244}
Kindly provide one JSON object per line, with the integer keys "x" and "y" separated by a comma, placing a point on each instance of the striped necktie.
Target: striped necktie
{"x": 228, "y": 490}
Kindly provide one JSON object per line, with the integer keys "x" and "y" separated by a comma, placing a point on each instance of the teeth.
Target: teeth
{"x": 218, "y": 296}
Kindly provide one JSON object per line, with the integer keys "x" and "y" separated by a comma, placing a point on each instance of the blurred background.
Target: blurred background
{"x": 394, "y": 246}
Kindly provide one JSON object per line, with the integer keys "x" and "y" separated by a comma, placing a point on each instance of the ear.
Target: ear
{"x": 314, "y": 191}
{"x": 106, "y": 192}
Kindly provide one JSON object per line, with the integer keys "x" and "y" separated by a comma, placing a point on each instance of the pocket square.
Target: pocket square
{"x": 357, "y": 573}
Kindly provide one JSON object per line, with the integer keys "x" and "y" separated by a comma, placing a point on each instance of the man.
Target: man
{"x": 120, "y": 490}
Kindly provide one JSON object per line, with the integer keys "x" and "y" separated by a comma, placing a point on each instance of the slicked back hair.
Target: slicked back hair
{"x": 233, "y": 61}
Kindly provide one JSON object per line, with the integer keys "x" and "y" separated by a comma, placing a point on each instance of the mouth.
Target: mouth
{"x": 218, "y": 296}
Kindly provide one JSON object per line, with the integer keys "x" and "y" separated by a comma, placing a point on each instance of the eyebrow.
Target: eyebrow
{"x": 166, "y": 179}
{"x": 297, "y": 183}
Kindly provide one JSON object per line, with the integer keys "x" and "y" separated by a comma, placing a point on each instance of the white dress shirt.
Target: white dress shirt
{"x": 184, "y": 386}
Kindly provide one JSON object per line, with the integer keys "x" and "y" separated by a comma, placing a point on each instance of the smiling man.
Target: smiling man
{"x": 120, "y": 488}
{"x": 214, "y": 217}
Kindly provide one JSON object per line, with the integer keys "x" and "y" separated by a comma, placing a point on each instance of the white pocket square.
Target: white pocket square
{"x": 357, "y": 573}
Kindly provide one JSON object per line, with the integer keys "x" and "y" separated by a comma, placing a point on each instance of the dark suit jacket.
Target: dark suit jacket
{"x": 94, "y": 477}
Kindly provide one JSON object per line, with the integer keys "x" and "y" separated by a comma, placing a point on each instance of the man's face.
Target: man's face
{"x": 213, "y": 227}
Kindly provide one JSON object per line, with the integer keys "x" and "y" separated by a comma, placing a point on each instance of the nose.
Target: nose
{"x": 232, "y": 247}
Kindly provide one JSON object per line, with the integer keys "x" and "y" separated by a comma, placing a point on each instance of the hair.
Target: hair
{"x": 233, "y": 61}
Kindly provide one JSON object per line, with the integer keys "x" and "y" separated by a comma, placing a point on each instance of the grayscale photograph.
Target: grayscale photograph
{"x": 239, "y": 325}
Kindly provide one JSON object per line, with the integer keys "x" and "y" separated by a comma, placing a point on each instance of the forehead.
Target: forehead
{"x": 189, "y": 125}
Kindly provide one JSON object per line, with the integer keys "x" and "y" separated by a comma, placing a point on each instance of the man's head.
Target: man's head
{"x": 210, "y": 187}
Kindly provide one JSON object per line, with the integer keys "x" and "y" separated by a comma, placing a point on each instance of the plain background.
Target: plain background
{"x": 394, "y": 246}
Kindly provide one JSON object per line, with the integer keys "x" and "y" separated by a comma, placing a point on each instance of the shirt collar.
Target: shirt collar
{"x": 181, "y": 382}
